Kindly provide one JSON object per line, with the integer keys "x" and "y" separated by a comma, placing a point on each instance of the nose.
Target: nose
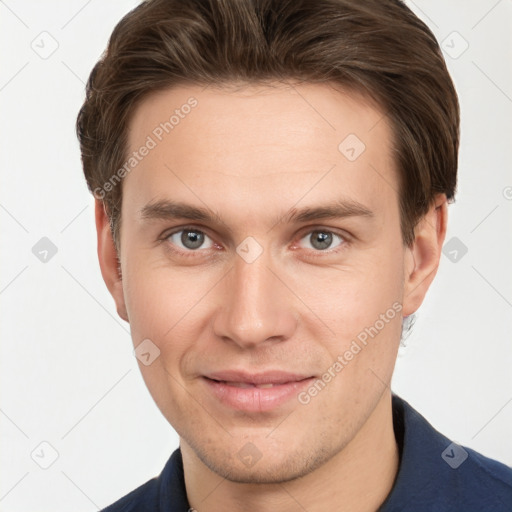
{"x": 255, "y": 307}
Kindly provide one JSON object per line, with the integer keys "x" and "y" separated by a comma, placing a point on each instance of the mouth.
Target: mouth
{"x": 247, "y": 385}
{"x": 255, "y": 392}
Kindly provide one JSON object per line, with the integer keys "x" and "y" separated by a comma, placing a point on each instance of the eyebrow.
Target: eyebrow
{"x": 337, "y": 209}
{"x": 171, "y": 210}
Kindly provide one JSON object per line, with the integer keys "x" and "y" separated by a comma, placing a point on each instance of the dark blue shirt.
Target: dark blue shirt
{"x": 434, "y": 475}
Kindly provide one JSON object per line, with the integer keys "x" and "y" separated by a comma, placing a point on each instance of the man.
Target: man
{"x": 271, "y": 183}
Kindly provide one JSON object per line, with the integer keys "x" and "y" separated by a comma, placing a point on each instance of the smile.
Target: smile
{"x": 255, "y": 393}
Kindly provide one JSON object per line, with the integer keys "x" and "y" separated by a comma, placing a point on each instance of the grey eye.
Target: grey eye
{"x": 321, "y": 240}
{"x": 190, "y": 239}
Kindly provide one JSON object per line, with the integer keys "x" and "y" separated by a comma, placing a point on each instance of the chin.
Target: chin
{"x": 250, "y": 466}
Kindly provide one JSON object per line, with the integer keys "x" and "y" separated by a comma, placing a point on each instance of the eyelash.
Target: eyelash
{"x": 314, "y": 254}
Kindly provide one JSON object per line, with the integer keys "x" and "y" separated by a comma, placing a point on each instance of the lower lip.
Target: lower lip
{"x": 255, "y": 399}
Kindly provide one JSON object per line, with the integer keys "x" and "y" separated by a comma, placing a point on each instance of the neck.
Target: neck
{"x": 358, "y": 478}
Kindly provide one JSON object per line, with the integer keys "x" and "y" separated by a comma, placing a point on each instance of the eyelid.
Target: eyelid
{"x": 172, "y": 231}
{"x": 186, "y": 252}
{"x": 345, "y": 237}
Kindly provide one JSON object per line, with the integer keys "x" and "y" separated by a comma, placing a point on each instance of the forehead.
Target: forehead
{"x": 260, "y": 146}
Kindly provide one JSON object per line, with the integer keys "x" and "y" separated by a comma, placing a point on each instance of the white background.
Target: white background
{"x": 68, "y": 376}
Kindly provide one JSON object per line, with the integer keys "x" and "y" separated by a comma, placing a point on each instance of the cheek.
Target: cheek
{"x": 164, "y": 304}
{"x": 348, "y": 299}
{"x": 163, "y": 308}
{"x": 149, "y": 304}
{"x": 363, "y": 308}
{"x": 360, "y": 357}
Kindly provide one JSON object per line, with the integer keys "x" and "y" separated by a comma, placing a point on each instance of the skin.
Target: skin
{"x": 254, "y": 155}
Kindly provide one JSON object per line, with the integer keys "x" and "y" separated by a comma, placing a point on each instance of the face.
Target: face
{"x": 261, "y": 255}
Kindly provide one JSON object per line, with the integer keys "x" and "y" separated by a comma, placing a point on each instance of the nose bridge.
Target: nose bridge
{"x": 254, "y": 309}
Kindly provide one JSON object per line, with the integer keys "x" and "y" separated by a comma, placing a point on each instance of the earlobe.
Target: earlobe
{"x": 422, "y": 258}
{"x": 108, "y": 259}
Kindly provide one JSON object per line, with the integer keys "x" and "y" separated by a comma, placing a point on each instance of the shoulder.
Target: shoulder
{"x": 472, "y": 482}
{"x": 142, "y": 499}
{"x": 438, "y": 474}
{"x": 481, "y": 481}
{"x": 165, "y": 492}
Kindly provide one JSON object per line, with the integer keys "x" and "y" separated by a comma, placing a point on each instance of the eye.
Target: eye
{"x": 321, "y": 240}
{"x": 190, "y": 239}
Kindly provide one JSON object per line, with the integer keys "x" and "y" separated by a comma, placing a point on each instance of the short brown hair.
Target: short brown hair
{"x": 378, "y": 47}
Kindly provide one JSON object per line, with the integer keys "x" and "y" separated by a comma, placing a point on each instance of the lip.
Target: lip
{"x": 241, "y": 391}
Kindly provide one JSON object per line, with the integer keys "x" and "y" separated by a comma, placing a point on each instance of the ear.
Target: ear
{"x": 108, "y": 258}
{"x": 422, "y": 257}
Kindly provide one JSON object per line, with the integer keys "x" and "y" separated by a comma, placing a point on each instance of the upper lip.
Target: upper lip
{"x": 267, "y": 377}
